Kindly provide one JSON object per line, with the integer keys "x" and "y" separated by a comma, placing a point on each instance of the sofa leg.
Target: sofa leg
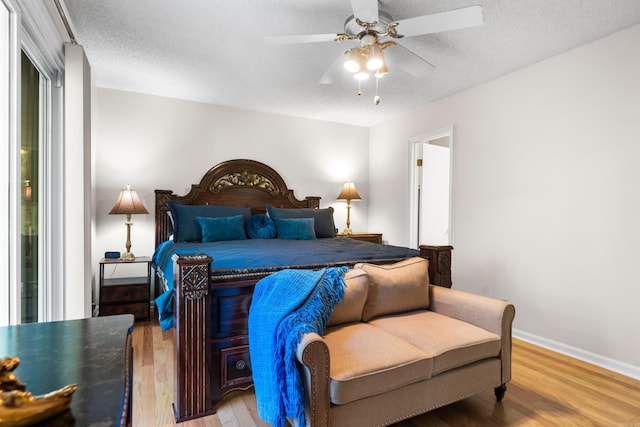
{"x": 499, "y": 391}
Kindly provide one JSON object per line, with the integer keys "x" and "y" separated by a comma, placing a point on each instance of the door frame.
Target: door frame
{"x": 415, "y": 152}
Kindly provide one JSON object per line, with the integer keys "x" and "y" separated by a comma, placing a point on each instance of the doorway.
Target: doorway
{"x": 431, "y": 166}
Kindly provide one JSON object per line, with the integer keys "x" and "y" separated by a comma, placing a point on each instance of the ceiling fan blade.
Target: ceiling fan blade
{"x": 334, "y": 72}
{"x": 303, "y": 38}
{"x": 439, "y": 22}
{"x": 365, "y": 10}
{"x": 407, "y": 60}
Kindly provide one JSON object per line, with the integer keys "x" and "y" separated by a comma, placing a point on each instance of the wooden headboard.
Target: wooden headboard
{"x": 239, "y": 182}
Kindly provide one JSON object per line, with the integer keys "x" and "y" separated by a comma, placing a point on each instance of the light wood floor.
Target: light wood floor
{"x": 547, "y": 389}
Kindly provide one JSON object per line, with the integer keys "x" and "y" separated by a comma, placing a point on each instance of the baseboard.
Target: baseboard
{"x": 577, "y": 353}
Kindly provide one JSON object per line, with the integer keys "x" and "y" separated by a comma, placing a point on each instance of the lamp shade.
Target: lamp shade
{"x": 349, "y": 192}
{"x": 128, "y": 203}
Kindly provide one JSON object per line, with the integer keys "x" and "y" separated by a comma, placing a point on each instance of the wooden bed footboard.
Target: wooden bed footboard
{"x": 211, "y": 335}
{"x": 192, "y": 352}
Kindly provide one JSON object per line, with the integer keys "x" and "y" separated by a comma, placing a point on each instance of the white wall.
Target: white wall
{"x": 546, "y": 202}
{"x": 160, "y": 143}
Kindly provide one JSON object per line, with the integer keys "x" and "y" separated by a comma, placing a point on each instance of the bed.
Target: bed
{"x": 209, "y": 285}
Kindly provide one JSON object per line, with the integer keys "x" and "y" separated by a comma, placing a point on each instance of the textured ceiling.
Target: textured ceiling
{"x": 214, "y": 51}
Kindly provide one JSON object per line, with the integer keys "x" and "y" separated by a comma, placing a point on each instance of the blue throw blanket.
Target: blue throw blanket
{"x": 286, "y": 305}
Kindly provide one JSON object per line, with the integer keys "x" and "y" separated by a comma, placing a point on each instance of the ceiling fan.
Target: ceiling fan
{"x": 380, "y": 40}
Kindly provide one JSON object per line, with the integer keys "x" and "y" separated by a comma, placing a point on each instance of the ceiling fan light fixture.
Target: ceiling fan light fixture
{"x": 376, "y": 31}
{"x": 375, "y": 59}
{"x": 361, "y": 75}
{"x": 382, "y": 71}
{"x": 352, "y": 63}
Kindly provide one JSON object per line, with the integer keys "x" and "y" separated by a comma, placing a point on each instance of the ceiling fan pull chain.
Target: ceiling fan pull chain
{"x": 376, "y": 99}
{"x": 359, "y": 90}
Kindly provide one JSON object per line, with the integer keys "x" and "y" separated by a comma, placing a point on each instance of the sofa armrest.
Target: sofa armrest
{"x": 488, "y": 313}
{"x": 313, "y": 354}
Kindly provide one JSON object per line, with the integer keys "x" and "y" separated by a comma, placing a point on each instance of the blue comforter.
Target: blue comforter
{"x": 243, "y": 256}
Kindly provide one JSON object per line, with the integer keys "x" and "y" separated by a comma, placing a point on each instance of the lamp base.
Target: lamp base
{"x": 347, "y": 231}
{"x": 128, "y": 256}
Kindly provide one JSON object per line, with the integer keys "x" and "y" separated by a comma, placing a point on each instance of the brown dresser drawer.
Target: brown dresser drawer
{"x": 236, "y": 367}
{"x": 122, "y": 293}
{"x": 140, "y": 309}
{"x": 230, "y": 310}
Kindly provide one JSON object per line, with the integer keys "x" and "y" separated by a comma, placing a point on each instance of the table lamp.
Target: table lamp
{"x": 348, "y": 193}
{"x": 128, "y": 203}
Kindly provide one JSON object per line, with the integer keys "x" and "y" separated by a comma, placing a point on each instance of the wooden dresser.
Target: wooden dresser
{"x": 96, "y": 354}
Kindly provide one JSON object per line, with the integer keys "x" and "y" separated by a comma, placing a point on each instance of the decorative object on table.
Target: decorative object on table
{"x": 348, "y": 193}
{"x": 128, "y": 203}
{"x": 8, "y": 380}
{"x": 19, "y": 407}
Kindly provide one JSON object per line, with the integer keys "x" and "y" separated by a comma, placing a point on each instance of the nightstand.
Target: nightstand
{"x": 122, "y": 295}
{"x": 363, "y": 236}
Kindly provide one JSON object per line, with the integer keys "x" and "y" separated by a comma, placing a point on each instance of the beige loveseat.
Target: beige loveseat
{"x": 396, "y": 347}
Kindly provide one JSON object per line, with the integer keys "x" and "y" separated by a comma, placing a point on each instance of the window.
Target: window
{"x": 31, "y": 59}
{"x": 30, "y": 124}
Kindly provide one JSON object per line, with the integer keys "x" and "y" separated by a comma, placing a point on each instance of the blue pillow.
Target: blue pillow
{"x": 295, "y": 228}
{"x": 260, "y": 226}
{"x": 185, "y": 225}
{"x": 323, "y": 218}
{"x": 222, "y": 228}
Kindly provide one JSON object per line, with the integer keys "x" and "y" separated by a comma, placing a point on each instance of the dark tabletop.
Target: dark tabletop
{"x": 87, "y": 352}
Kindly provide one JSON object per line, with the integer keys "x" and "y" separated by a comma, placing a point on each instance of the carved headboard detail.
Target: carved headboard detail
{"x": 239, "y": 182}
{"x": 244, "y": 179}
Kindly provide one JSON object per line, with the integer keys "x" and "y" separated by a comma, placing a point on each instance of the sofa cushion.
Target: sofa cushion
{"x": 355, "y": 294}
{"x": 367, "y": 361}
{"x": 396, "y": 288}
{"x": 451, "y": 342}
